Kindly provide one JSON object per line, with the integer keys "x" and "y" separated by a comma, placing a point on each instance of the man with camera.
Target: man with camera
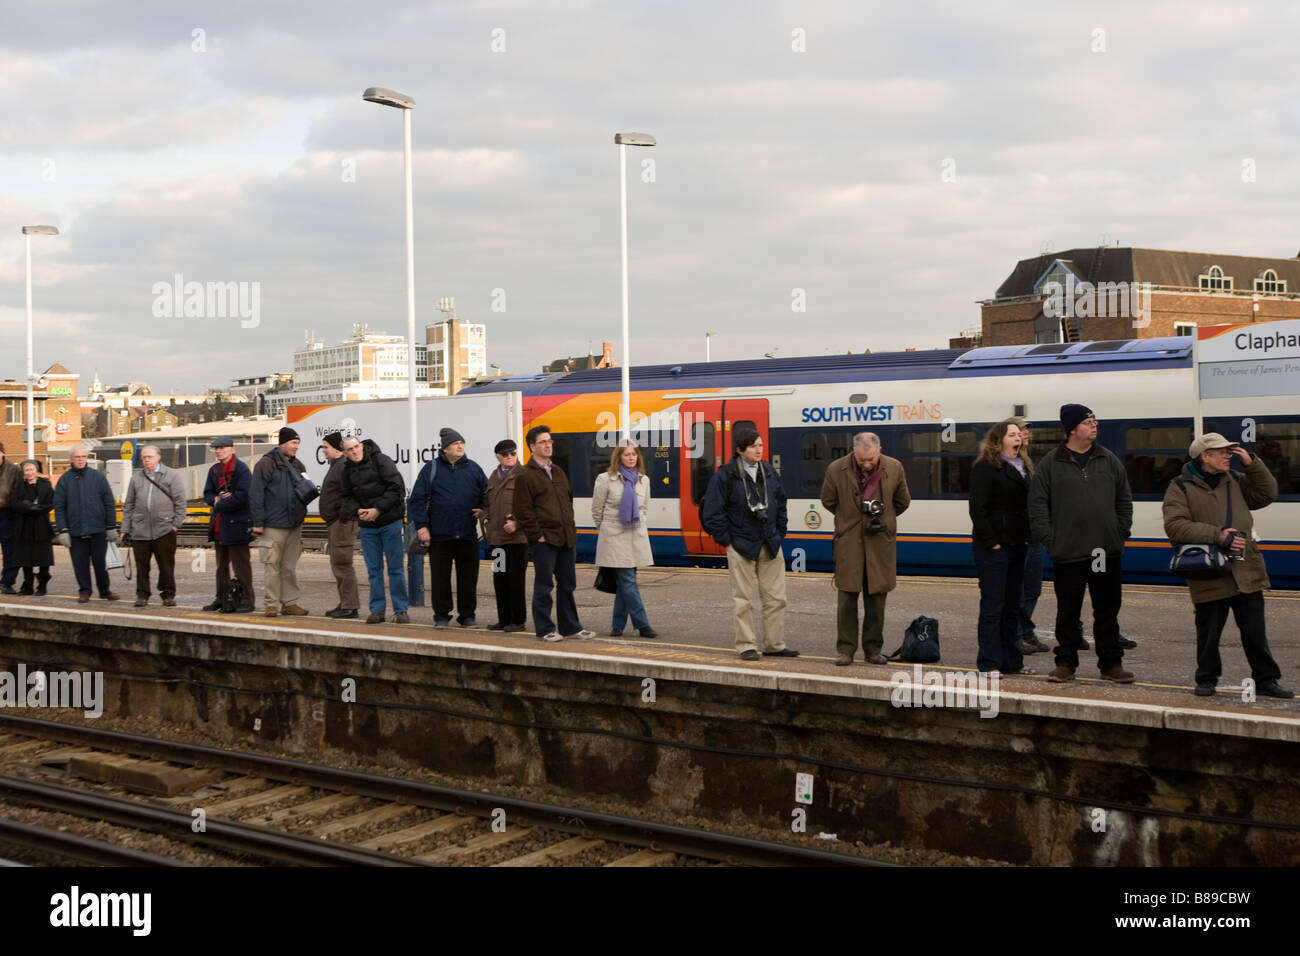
{"x": 1196, "y": 510}
{"x": 866, "y": 491}
{"x": 744, "y": 510}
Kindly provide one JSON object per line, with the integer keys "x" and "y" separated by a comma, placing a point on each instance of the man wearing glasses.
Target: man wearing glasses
{"x": 507, "y": 544}
{"x": 543, "y": 509}
{"x": 1082, "y": 508}
{"x": 1196, "y": 508}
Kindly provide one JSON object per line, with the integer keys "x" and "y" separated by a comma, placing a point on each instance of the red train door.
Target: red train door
{"x": 706, "y": 429}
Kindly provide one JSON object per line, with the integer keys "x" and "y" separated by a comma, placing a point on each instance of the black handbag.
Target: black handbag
{"x": 606, "y": 580}
{"x": 1202, "y": 562}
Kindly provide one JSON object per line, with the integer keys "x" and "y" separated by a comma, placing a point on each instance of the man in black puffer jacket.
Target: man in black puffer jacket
{"x": 373, "y": 490}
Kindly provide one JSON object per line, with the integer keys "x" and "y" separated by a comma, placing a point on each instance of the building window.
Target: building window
{"x": 1184, "y": 328}
{"x": 14, "y": 411}
{"x": 1269, "y": 282}
{"x": 1215, "y": 280}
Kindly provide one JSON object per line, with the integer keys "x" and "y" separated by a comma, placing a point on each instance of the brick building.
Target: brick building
{"x": 57, "y": 414}
{"x": 1109, "y": 292}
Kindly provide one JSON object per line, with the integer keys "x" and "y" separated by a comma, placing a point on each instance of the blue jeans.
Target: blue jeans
{"x": 627, "y": 601}
{"x": 1033, "y": 589}
{"x": 376, "y": 545}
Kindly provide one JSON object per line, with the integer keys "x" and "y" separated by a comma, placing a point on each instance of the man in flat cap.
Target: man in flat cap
{"x": 446, "y": 503}
{"x": 279, "y": 500}
{"x": 231, "y": 527}
{"x": 342, "y": 527}
{"x": 1209, "y": 504}
{"x": 1081, "y": 506}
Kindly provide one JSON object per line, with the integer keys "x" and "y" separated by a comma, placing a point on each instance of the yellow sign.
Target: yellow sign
{"x": 128, "y": 451}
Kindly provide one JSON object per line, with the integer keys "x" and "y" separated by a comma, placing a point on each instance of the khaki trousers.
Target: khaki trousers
{"x": 764, "y": 578}
{"x": 281, "y": 560}
{"x": 342, "y": 543}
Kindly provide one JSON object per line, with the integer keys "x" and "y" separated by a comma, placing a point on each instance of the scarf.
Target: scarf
{"x": 223, "y": 484}
{"x": 869, "y": 481}
{"x": 628, "y": 512}
{"x": 1015, "y": 463}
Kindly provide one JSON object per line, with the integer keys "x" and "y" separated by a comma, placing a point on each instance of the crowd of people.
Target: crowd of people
{"x": 1074, "y": 504}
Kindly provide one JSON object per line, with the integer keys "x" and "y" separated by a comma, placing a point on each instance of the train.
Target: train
{"x": 931, "y": 409}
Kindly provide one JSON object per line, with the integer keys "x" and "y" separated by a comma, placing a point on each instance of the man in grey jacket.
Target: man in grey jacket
{"x": 152, "y": 514}
{"x": 1082, "y": 509}
{"x": 84, "y": 507}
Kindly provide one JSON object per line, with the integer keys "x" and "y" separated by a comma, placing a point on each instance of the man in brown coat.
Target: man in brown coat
{"x": 507, "y": 544}
{"x": 1196, "y": 512}
{"x": 866, "y": 491}
{"x": 341, "y": 526}
{"x": 543, "y": 508}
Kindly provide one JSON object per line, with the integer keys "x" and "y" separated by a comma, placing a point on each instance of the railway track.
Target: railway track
{"x": 269, "y": 809}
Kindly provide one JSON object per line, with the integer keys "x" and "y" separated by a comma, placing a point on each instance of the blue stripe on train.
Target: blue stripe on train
{"x": 1142, "y": 565}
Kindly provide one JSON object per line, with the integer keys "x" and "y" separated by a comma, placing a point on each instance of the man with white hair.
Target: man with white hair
{"x": 84, "y": 507}
{"x": 152, "y": 514}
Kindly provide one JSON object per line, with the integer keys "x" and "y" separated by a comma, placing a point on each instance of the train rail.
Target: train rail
{"x": 407, "y": 822}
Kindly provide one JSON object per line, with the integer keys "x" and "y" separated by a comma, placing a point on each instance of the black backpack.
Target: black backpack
{"x": 920, "y": 642}
{"x": 232, "y": 597}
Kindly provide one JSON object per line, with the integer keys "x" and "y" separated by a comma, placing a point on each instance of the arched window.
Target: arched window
{"x": 1214, "y": 280}
{"x": 1269, "y": 282}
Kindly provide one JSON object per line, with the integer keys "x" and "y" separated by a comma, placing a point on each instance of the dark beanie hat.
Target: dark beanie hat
{"x": 1071, "y": 415}
{"x": 335, "y": 440}
{"x": 287, "y": 434}
{"x": 505, "y": 446}
{"x": 744, "y": 436}
{"x": 449, "y": 435}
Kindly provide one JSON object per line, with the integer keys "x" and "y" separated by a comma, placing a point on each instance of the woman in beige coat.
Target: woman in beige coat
{"x": 623, "y": 533}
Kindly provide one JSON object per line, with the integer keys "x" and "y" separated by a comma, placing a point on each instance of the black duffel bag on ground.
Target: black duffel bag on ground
{"x": 920, "y": 642}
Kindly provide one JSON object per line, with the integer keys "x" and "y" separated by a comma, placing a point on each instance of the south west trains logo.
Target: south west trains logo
{"x": 919, "y": 412}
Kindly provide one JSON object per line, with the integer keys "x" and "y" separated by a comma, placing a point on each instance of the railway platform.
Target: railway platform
{"x": 1026, "y": 771}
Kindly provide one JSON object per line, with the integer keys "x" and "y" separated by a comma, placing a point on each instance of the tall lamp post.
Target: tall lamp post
{"x": 625, "y": 140}
{"x": 28, "y": 232}
{"x": 401, "y": 101}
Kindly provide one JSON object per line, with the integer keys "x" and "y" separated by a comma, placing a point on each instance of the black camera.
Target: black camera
{"x": 873, "y": 509}
{"x": 760, "y": 511}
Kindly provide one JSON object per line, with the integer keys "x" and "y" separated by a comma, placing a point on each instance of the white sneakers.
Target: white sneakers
{"x": 583, "y": 635}
{"x": 552, "y": 637}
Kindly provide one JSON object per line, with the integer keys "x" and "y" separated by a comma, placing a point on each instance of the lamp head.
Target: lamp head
{"x": 634, "y": 139}
{"x": 40, "y": 231}
{"x": 377, "y": 94}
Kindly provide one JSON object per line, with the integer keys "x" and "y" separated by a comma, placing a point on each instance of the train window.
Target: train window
{"x": 1278, "y": 446}
{"x": 1042, "y": 440}
{"x": 702, "y": 462}
{"x": 816, "y": 452}
{"x": 562, "y": 454}
{"x": 1154, "y": 455}
{"x": 936, "y": 468}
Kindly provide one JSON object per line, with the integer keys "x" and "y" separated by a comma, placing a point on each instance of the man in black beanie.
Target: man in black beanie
{"x": 1082, "y": 509}
{"x": 342, "y": 527}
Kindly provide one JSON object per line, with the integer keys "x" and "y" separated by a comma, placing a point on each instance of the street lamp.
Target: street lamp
{"x": 401, "y": 101}
{"x": 707, "y": 336}
{"x": 28, "y": 232}
{"x": 625, "y": 140}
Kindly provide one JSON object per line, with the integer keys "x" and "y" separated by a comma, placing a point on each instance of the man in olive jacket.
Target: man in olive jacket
{"x": 1196, "y": 512}
{"x": 1081, "y": 506}
{"x": 866, "y": 558}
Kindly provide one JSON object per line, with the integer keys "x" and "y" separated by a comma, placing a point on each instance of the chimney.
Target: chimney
{"x": 607, "y": 355}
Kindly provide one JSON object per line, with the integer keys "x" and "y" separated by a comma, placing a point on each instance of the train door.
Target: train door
{"x": 706, "y": 429}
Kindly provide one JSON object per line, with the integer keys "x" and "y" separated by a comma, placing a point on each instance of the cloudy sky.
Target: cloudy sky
{"x": 892, "y": 161}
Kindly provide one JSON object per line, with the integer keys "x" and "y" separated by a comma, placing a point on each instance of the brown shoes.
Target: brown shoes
{"x": 83, "y": 598}
{"x": 293, "y": 609}
{"x": 1118, "y": 675}
{"x": 878, "y": 659}
{"x": 844, "y": 660}
{"x": 110, "y": 596}
{"x": 271, "y": 612}
{"x": 1060, "y": 674}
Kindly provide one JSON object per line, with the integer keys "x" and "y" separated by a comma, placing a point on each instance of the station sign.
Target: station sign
{"x": 1239, "y": 361}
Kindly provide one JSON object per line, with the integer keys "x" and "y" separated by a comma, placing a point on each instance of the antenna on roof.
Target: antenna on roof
{"x": 1046, "y": 247}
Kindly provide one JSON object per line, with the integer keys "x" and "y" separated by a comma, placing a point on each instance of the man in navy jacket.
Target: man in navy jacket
{"x": 84, "y": 507}
{"x": 231, "y": 527}
{"x": 744, "y": 510}
{"x": 446, "y": 503}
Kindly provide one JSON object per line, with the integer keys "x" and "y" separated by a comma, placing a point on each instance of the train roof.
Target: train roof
{"x": 881, "y": 366}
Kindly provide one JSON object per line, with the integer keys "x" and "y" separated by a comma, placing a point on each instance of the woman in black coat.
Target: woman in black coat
{"x": 999, "y": 511}
{"x": 32, "y": 502}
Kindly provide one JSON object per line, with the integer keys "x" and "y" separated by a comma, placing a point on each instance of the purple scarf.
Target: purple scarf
{"x": 628, "y": 512}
